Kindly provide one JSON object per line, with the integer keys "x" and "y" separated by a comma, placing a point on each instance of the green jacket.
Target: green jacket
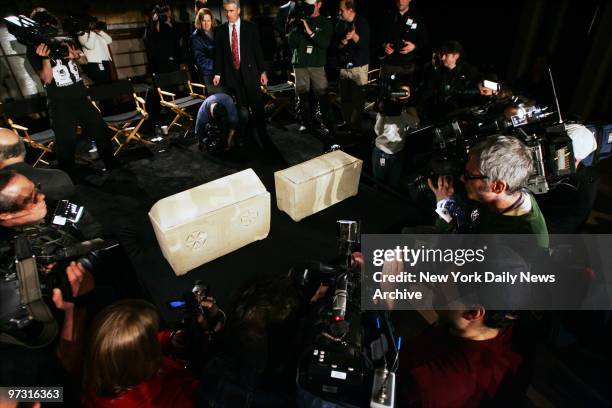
{"x": 494, "y": 223}
{"x": 299, "y": 43}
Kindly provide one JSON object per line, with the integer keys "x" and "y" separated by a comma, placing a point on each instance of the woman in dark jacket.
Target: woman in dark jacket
{"x": 203, "y": 47}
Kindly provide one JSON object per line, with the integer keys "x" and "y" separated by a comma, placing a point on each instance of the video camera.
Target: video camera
{"x": 344, "y": 345}
{"x": 393, "y": 87}
{"x": 405, "y": 34}
{"x": 30, "y": 33}
{"x": 32, "y": 264}
{"x": 197, "y": 325}
{"x": 547, "y": 140}
{"x": 303, "y": 10}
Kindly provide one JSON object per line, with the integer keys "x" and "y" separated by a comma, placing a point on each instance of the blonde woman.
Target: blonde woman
{"x": 203, "y": 46}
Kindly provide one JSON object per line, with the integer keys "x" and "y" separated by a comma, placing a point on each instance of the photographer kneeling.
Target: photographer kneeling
{"x": 217, "y": 122}
{"x": 495, "y": 175}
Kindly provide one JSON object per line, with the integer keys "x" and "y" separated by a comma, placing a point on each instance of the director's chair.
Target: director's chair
{"x": 127, "y": 123}
{"x": 41, "y": 141}
{"x": 177, "y": 81}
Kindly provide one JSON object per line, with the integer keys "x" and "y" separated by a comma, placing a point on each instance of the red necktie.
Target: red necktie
{"x": 235, "y": 55}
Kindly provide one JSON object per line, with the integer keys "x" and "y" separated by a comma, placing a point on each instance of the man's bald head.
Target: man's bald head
{"x": 12, "y": 149}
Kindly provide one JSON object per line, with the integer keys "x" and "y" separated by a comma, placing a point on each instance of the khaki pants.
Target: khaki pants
{"x": 352, "y": 97}
{"x": 310, "y": 77}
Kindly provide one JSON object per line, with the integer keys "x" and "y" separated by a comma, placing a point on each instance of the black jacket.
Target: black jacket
{"x": 251, "y": 54}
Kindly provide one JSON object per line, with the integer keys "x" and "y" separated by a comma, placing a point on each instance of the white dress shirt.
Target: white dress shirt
{"x": 95, "y": 46}
{"x": 231, "y": 28}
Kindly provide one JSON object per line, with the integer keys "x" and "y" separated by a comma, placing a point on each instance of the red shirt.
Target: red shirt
{"x": 441, "y": 370}
{"x": 172, "y": 386}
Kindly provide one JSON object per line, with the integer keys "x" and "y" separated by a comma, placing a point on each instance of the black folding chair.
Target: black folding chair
{"x": 20, "y": 111}
{"x": 127, "y": 123}
{"x": 178, "y": 81}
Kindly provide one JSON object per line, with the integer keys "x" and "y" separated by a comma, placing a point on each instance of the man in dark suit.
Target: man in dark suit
{"x": 239, "y": 64}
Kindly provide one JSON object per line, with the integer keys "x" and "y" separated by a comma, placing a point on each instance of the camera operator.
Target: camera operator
{"x": 162, "y": 41}
{"x": 568, "y": 205}
{"x": 404, "y": 39}
{"x": 255, "y": 359}
{"x": 68, "y": 103}
{"x": 354, "y": 37}
{"x": 392, "y": 122}
{"x": 308, "y": 40}
{"x": 282, "y": 54}
{"x": 442, "y": 84}
{"x": 22, "y": 206}
{"x": 218, "y": 111}
{"x": 95, "y": 44}
{"x": 495, "y": 175}
{"x": 55, "y": 184}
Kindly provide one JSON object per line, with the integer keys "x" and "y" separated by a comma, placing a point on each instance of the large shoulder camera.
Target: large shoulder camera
{"x": 344, "y": 346}
{"x": 551, "y": 147}
{"x": 32, "y": 264}
{"x": 29, "y": 33}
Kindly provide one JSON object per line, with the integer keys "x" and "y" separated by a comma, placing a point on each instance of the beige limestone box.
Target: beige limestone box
{"x": 201, "y": 224}
{"x": 316, "y": 184}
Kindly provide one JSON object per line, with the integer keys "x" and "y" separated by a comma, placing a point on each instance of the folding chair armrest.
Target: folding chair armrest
{"x": 166, "y": 93}
{"x": 197, "y": 84}
{"x": 18, "y": 127}
{"x": 139, "y": 99}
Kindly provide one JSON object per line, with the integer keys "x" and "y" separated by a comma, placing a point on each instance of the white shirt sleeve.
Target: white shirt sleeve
{"x": 107, "y": 38}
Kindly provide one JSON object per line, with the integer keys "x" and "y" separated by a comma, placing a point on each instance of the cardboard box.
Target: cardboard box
{"x": 316, "y": 184}
{"x": 201, "y": 224}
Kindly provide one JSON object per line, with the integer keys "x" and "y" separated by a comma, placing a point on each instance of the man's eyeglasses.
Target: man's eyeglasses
{"x": 468, "y": 176}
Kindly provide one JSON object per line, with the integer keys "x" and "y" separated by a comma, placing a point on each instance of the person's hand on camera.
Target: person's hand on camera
{"x": 73, "y": 53}
{"x": 42, "y": 50}
{"x": 263, "y": 79}
{"x": 216, "y": 80}
{"x": 408, "y": 47}
{"x": 350, "y": 35}
{"x": 444, "y": 188}
{"x": 81, "y": 283}
{"x": 357, "y": 259}
{"x": 389, "y": 49}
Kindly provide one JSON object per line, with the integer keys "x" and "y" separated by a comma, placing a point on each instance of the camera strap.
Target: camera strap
{"x": 31, "y": 297}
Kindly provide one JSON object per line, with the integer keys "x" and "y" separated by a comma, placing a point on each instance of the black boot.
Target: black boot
{"x": 302, "y": 105}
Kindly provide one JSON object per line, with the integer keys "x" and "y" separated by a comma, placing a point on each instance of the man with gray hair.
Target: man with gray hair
{"x": 495, "y": 175}
{"x": 55, "y": 184}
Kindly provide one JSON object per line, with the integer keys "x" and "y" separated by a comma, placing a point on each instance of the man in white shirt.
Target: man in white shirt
{"x": 95, "y": 44}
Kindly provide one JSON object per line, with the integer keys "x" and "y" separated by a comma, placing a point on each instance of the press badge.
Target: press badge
{"x": 309, "y": 49}
{"x": 101, "y": 66}
{"x": 382, "y": 162}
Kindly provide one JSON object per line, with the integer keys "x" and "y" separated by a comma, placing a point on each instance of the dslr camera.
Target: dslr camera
{"x": 160, "y": 11}
{"x": 302, "y": 10}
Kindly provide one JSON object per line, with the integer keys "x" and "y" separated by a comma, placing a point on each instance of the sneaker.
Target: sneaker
{"x": 303, "y": 129}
